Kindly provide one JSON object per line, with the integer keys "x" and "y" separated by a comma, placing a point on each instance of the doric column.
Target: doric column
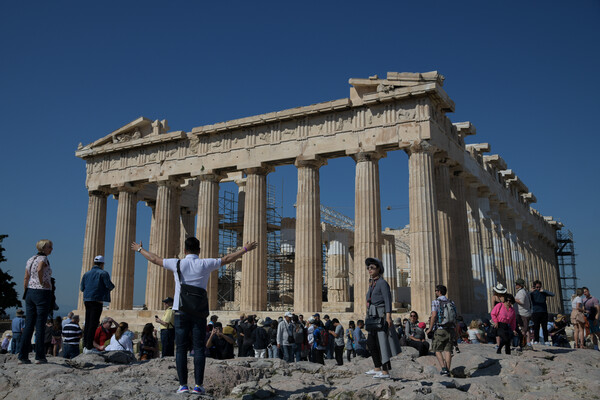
{"x": 448, "y": 264}
{"x": 165, "y": 238}
{"x": 424, "y": 231}
{"x": 517, "y": 251}
{"x": 207, "y": 229}
{"x": 188, "y": 217}
{"x": 308, "y": 274}
{"x": 460, "y": 242}
{"x": 509, "y": 273}
{"x": 254, "y": 263}
{"x": 367, "y": 222}
{"x": 389, "y": 263}
{"x": 487, "y": 243}
{"x": 150, "y": 288}
{"x": 123, "y": 266}
{"x": 95, "y": 234}
{"x": 338, "y": 287}
{"x": 480, "y": 289}
{"x": 497, "y": 240}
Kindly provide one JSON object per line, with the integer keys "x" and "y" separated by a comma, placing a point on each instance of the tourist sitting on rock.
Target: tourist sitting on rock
{"x": 71, "y": 335}
{"x": 505, "y": 322}
{"x": 415, "y": 334}
{"x": 476, "y": 335}
{"x": 120, "y": 341}
{"x": 104, "y": 332}
{"x": 5, "y": 343}
{"x": 557, "y": 332}
{"x": 148, "y": 343}
{"x": 218, "y": 345}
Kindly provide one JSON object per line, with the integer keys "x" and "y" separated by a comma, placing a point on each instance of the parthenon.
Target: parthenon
{"x": 471, "y": 220}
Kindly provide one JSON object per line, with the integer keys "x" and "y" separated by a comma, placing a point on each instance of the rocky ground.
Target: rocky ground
{"x": 478, "y": 373}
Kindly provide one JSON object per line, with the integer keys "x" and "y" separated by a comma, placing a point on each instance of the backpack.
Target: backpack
{"x": 290, "y": 331}
{"x": 321, "y": 337}
{"x": 447, "y": 314}
{"x": 298, "y": 334}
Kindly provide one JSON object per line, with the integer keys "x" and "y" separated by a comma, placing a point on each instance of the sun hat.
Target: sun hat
{"x": 376, "y": 261}
{"x": 499, "y": 288}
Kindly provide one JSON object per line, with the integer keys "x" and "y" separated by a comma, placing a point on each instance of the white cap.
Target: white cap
{"x": 99, "y": 259}
{"x": 288, "y": 314}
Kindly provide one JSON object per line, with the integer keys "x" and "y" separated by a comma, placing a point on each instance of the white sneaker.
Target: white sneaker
{"x": 381, "y": 375}
{"x": 372, "y": 372}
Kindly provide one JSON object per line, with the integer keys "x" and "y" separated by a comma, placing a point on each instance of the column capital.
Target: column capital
{"x": 310, "y": 162}
{"x": 127, "y": 187}
{"x": 361, "y": 155}
{"x": 98, "y": 193}
{"x": 421, "y": 146}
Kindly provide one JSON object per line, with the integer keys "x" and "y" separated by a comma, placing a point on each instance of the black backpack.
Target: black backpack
{"x": 298, "y": 334}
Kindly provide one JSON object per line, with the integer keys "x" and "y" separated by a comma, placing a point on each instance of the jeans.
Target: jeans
{"x": 167, "y": 340}
{"x": 297, "y": 348}
{"x": 260, "y": 353}
{"x": 273, "y": 351}
{"x": 70, "y": 350}
{"x": 184, "y": 325}
{"x": 288, "y": 352}
{"x": 16, "y": 343}
{"x": 37, "y": 305}
{"x": 93, "y": 311}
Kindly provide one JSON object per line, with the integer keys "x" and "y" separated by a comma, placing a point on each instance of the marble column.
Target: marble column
{"x": 424, "y": 230}
{"x": 448, "y": 260}
{"x": 338, "y": 288}
{"x": 150, "y": 271}
{"x": 480, "y": 289}
{"x": 165, "y": 238}
{"x": 95, "y": 234}
{"x": 497, "y": 240}
{"x": 188, "y": 219}
{"x": 207, "y": 229}
{"x": 308, "y": 273}
{"x": 389, "y": 264}
{"x": 367, "y": 222}
{"x": 487, "y": 243}
{"x": 254, "y": 263}
{"x": 123, "y": 265}
{"x": 461, "y": 244}
{"x": 517, "y": 252}
{"x": 509, "y": 273}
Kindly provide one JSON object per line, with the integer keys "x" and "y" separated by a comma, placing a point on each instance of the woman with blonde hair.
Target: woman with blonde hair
{"x": 120, "y": 341}
{"x": 476, "y": 335}
{"x": 578, "y": 319}
{"x": 38, "y": 297}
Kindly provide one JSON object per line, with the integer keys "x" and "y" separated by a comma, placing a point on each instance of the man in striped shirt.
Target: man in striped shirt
{"x": 71, "y": 334}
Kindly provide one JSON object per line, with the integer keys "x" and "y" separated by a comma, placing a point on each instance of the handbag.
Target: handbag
{"x": 193, "y": 300}
{"x": 374, "y": 323}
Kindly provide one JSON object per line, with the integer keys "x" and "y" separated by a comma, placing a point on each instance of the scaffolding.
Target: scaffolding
{"x": 565, "y": 257}
{"x": 230, "y": 230}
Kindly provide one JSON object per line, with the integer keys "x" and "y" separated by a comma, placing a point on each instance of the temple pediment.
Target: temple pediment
{"x": 136, "y": 129}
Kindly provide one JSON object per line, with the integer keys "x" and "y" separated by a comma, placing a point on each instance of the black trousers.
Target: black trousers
{"x": 373, "y": 346}
{"x": 540, "y": 318}
{"x": 318, "y": 356}
{"x": 504, "y": 335}
{"x": 422, "y": 347}
{"x": 167, "y": 340}
{"x": 93, "y": 311}
{"x": 339, "y": 354}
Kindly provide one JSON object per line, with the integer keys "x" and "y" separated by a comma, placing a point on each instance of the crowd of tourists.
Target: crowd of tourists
{"x": 517, "y": 321}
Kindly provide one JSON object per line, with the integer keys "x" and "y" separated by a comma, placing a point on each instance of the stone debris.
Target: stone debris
{"x": 477, "y": 373}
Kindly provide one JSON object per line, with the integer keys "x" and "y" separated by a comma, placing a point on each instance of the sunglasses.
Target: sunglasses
{"x": 371, "y": 267}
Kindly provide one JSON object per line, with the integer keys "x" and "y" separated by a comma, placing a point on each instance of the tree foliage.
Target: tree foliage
{"x": 8, "y": 294}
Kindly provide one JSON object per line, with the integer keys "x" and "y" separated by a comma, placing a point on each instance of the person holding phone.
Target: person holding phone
{"x": 167, "y": 333}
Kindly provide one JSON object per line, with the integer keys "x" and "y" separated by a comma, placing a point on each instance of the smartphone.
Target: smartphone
{"x": 156, "y": 316}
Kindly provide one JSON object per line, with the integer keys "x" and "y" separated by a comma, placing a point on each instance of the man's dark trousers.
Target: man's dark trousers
{"x": 93, "y": 311}
{"x": 167, "y": 340}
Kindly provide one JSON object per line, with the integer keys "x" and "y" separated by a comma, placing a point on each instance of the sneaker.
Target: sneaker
{"x": 372, "y": 372}
{"x": 183, "y": 389}
{"x": 42, "y": 361}
{"x": 24, "y": 362}
{"x": 381, "y": 375}
{"x": 445, "y": 372}
{"x": 198, "y": 390}
{"x": 457, "y": 350}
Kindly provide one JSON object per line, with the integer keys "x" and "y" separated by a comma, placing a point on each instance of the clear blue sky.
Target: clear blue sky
{"x": 524, "y": 73}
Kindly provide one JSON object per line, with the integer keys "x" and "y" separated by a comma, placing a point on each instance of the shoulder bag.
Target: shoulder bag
{"x": 192, "y": 299}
